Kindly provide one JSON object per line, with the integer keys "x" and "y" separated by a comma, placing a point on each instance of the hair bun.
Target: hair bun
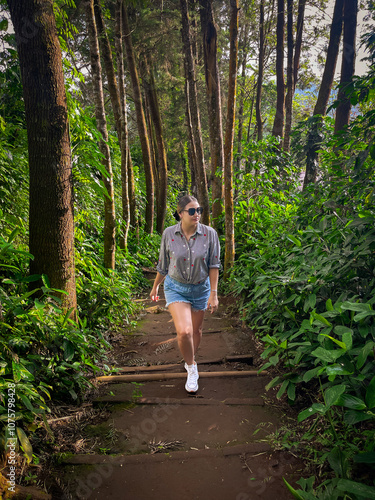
{"x": 176, "y": 216}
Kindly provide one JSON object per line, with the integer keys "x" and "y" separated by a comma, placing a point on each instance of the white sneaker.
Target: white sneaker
{"x": 192, "y": 378}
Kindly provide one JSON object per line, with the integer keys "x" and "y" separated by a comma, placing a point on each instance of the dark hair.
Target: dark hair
{"x": 182, "y": 202}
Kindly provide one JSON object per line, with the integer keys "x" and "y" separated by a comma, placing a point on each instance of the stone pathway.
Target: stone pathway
{"x": 168, "y": 445}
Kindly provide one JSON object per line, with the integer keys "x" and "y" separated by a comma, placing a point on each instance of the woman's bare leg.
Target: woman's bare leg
{"x": 197, "y": 320}
{"x": 182, "y": 319}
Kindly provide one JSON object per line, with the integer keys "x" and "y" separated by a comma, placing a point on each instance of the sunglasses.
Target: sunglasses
{"x": 191, "y": 211}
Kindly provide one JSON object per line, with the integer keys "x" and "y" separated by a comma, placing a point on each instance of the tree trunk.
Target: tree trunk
{"x": 51, "y": 224}
{"x": 149, "y": 84}
{"x": 258, "y": 102}
{"x": 229, "y": 135}
{"x": 313, "y": 140}
{"x": 141, "y": 124}
{"x": 289, "y": 78}
{"x": 209, "y": 32}
{"x": 331, "y": 60}
{"x": 298, "y": 45}
{"x": 131, "y": 192}
{"x": 348, "y": 63}
{"x": 101, "y": 122}
{"x": 124, "y": 141}
{"x": 278, "y": 124}
{"x": 243, "y": 51}
{"x": 118, "y": 107}
{"x": 194, "y": 114}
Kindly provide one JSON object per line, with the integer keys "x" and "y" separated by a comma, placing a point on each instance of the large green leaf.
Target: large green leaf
{"x": 25, "y": 443}
{"x": 332, "y": 394}
{"x": 359, "y": 489}
{"x": 370, "y": 394}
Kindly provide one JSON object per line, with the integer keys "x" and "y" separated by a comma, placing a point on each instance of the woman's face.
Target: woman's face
{"x": 186, "y": 217}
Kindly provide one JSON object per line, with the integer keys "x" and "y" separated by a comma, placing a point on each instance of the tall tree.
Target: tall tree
{"x": 162, "y": 171}
{"x": 258, "y": 113}
{"x": 209, "y": 32}
{"x": 117, "y": 107}
{"x": 101, "y": 123}
{"x": 141, "y": 122}
{"x": 229, "y": 136}
{"x": 293, "y": 64}
{"x": 348, "y": 63}
{"x": 197, "y": 145}
{"x": 127, "y": 176}
{"x": 51, "y": 225}
{"x": 278, "y": 124}
{"x": 313, "y": 141}
{"x": 289, "y": 77}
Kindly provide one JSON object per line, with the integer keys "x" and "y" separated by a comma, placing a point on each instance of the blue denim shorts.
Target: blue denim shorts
{"x": 196, "y": 295}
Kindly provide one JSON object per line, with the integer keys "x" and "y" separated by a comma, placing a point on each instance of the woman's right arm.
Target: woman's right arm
{"x": 154, "y": 292}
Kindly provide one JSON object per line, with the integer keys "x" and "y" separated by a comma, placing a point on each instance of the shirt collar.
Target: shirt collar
{"x": 178, "y": 228}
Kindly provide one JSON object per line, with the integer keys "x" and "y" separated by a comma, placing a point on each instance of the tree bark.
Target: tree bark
{"x": 124, "y": 143}
{"x": 194, "y": 114}
{"x": 289, "y": 78}
{"x": 331, "y": 60}
{"x": 149, "y": 84}
{"x": 313, "y": 140}
{"x": 209, "y": 32}
{"x": 243, "y": 52}
{"x": 51, "y": 224}
{"x": 278, "y": 124}
{"x": 228, "y": 146}
{"x": 348, "y": 63}
{"x": 258, "y": 102}
{"x": 298, "y": 45}
{"x": 101, "y": 122}
{"x": 141, "y": 123}
{"x": 118, "y": 107}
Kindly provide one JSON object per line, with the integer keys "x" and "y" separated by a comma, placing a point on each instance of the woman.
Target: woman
{"x": 189, "y": 260}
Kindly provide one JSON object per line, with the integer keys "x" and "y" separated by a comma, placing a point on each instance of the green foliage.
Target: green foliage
{"x": 305, "y": 271}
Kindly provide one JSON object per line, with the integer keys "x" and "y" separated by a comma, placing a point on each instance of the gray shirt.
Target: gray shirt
{"x": 188, "y": 261}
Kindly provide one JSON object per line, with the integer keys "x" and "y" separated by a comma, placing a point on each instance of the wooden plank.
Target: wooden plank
{"x": 144, "y": 377}
{"x": 188, "y": 401}
{"x": 247, "y": 358}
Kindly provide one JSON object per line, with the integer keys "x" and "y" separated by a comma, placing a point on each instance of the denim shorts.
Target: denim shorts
{"x": 196, "y": 295}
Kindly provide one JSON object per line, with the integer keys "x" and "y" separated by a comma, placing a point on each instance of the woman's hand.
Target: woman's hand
{"x": 213, "y": 302}
{"x": 154, "y": 293}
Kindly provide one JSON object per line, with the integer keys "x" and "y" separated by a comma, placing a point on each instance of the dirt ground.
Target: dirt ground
{"x": 159, "y": 442}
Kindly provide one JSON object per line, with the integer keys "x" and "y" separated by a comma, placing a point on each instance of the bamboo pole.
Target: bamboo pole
{"x": 144, "y": 377}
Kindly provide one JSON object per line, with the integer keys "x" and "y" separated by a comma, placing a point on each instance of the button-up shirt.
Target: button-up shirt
{"x": 188, "y": 261}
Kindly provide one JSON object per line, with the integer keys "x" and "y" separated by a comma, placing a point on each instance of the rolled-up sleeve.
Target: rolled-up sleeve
{"x": 163, "y": 262}
{"x": 214, "y": 254}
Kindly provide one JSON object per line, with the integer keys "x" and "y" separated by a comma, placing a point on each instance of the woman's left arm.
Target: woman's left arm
{"x": 213, "y": 302}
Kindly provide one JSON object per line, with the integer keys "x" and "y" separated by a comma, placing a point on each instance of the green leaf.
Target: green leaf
{"x": 69, "y": 350}
{"x": 312, "y": 300}
{"x": 359, "y": 489}
{"x": 355, "y": 306}
{"x": 365, "y": 458}
{"x": 320, "y": 319}
{"x": 294, "y": 240}
{"x": 315, "y": 408}
{"x": 338, "y": 369}
{"x": 363, "y": 315}
{"x": 332, "y": 394}
{"x": 352, "y": 417}
{"x": 336, "y": 459}
{"x": 340, "y": 330}
{"x": 293, "y": 491}
{"x": 327, "y": 355}
{"x": 352, "y": 402}
{"x": 282, "y": 389}
{"x": 329, "y": 305}
{"x": 363, "y": 355}
{"x": 310, "y": 374}
{"x": 25, "y": 443}
{"x": 274, "y": 382}
{"x": 370, "y": 394}
{"x": 338, "y": 342}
